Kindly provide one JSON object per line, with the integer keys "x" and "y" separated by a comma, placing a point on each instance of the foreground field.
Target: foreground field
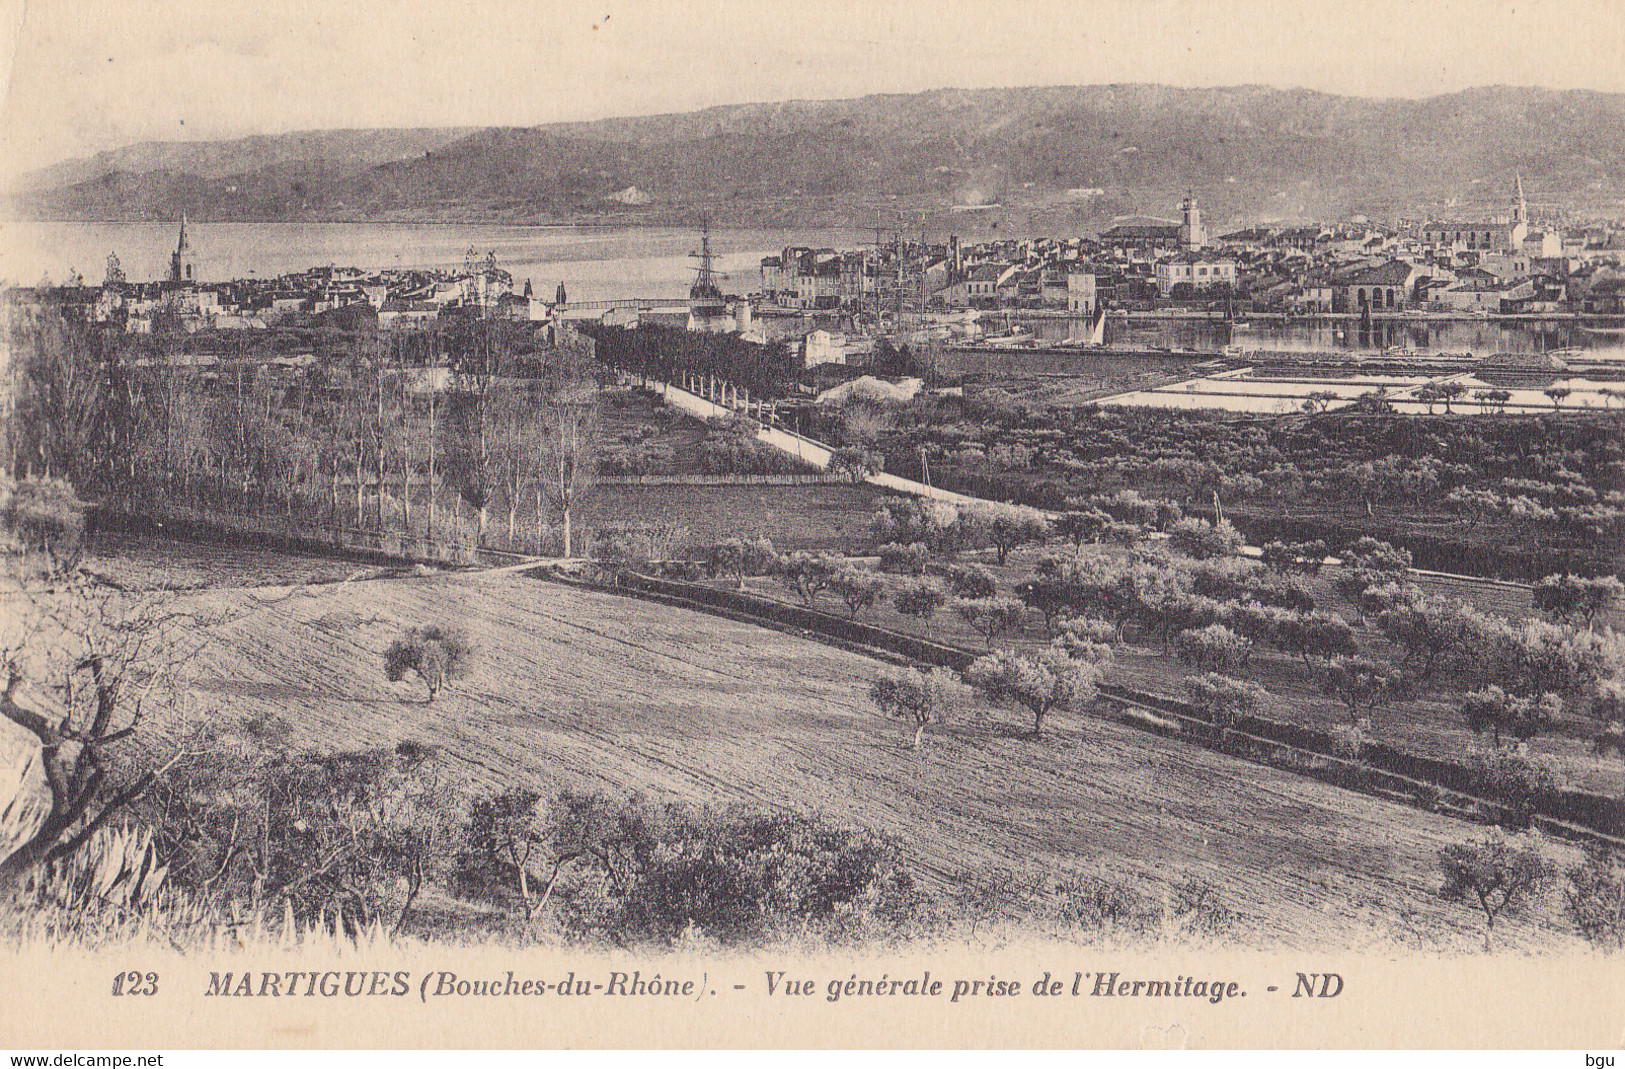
{"x": 596, "y": 691}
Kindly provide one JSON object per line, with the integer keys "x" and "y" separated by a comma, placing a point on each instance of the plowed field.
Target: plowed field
{"x": 596, "y": 691}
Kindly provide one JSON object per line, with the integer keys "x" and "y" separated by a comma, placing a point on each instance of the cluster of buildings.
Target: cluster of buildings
{"x": 343, "y": 296}
{"x": 1503, "y": 265}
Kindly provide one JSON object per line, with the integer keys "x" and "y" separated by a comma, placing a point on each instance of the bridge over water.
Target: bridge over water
{"x": 637, "y": 303}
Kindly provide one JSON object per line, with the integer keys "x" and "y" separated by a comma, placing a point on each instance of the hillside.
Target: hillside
{"x": 1251, "y": 151}
{"x": 339, "y": 150}
{"x": 593, "y": 691}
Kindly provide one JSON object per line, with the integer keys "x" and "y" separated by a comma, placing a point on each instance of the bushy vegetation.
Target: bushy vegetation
{"x": 435, "y": 653}
{"x": 1534, "y": 486}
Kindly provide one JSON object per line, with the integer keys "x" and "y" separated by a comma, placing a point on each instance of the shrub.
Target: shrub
{"x": 1225, "y": 700}
{"x": 435, "y": 654}
{"x": 1283, "y": 594}
{"x": 42, "y": 516}
{"x": 742, "y": 877}
{"x": 1224, "y": 578}
{"x": 1085, "y": 639}
{"x": 1098, "y": 903}
{"x": 336, "y": 841}
{"x": 1198, "y": 906}
{"x": 1312, "y": 634}
{"x": 637, "y": 544}
{"x": 1202, "y": 540}
{"x": 1520, "y": 783}
{"x": 909, "y": 559}
{"x": 1300, "y": 557}
{"x": 1595, "y": 897}
{"x": 972, "y": 581}
{"x": 1369, "y": 554}
{"x": 1214, "y": 645}
{"x": 919, "y": 598}
{"x": 855, "y": 462}
{"x": 740, "y": 557}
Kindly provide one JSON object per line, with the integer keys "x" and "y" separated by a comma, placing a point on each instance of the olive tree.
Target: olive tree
{"x": 1496, "y": 874}
{"x": 81, "y": 667}
{"x": 991, "y": 617}
{"x": 1363, "y": 684}
{"x": 1494, "y": 710}
{"x": 435, "y": 654}
{"x": 1041, "y": 682}
{"x": 921, "y": 698}
{"x": 858, "y": 589}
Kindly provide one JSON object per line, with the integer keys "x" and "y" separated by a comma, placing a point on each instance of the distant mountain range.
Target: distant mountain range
{"x": 1044, "y": 156}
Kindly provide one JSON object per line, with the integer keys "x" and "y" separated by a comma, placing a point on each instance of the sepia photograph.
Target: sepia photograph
{"x": 734, "y": 524}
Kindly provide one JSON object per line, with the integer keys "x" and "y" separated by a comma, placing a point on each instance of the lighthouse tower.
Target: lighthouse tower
{"x": 181, "y": 261}
{"x": 1191, "y": 234}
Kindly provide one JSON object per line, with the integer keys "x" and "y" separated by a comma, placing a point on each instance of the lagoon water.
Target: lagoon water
{"x": 594, "y": 263}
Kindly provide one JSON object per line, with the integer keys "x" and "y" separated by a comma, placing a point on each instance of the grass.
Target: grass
{"x": 594, "y": 691}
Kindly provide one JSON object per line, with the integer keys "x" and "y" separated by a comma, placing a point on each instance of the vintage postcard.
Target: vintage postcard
{"x": 851, "y": 524}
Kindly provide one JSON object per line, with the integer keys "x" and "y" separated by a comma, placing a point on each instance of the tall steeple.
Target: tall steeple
{"x": 180, "y": 262}
{"x": 1520, "y": 206}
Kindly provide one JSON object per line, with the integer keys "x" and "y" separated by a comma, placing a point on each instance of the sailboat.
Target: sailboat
{"x": 707, "y": 308}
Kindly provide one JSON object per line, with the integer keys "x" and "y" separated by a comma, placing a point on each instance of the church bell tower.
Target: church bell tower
{"x": 180, "y": 261}
{"x": 1191, "y": 234}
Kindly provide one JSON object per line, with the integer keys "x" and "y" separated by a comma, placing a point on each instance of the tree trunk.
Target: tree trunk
{"x": 541, "y": 525}
{"x": 919, "y": 733}
{"x": 434, "y": 405}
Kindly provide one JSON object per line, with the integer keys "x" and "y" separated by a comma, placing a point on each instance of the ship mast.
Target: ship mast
{"x": 705, "y": 281}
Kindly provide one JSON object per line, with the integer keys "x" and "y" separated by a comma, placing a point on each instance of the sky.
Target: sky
{"x": 79, "y": 76}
